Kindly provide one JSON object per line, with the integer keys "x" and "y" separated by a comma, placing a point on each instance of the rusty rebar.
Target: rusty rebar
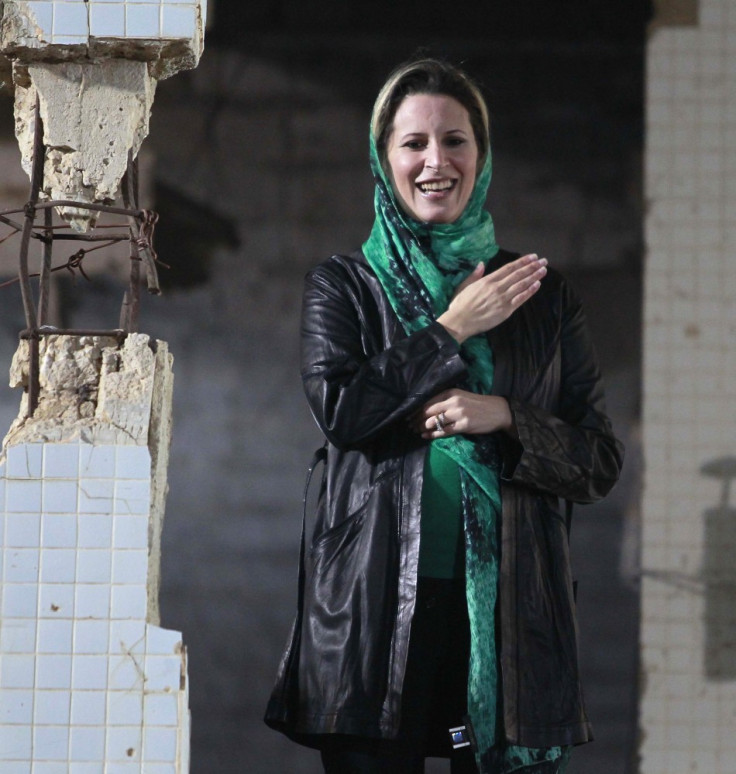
{"x": 44, "y": 280}
{"x": 39, "y": 153}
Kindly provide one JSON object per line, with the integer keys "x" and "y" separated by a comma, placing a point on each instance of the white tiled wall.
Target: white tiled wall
{"x": 75, "y": 21}
{"x": 86, "y": 684}
{"x": 688, "y": 634}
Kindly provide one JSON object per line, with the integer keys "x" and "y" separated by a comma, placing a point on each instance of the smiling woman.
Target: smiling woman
{"x": 432, "y": 157}
{"x": 460, "y": 397}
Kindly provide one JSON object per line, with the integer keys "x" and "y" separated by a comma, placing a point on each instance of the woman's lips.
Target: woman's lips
{"x": 436, "y": 186}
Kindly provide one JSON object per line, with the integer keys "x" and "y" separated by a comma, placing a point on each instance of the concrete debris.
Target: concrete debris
{"x": 95, "y": 90}
{"x": 93, "y": 115}
{"x": 93, "y": 389}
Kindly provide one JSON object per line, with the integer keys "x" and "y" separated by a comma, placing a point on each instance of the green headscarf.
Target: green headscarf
{"x": 419, "y": 266}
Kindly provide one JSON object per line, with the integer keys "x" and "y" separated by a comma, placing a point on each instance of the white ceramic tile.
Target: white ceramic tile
{"x": 53, "y": 671}
{"x": 24, "y": 461}
{"x": 125, "y": 673}
{"x": 94, "y": 531}
{"x": 48, "y": 767}
{"x": 56, "y": 600}
{"x": 52, "y": 707}
{"x": 58, "y": 565}
{"x": 162, "y": 642}
{"x": 16, "y": 706}
{"x": 42, "y": 13}
{"x": 23, "y": 530}
{"x": 89, "y": 673}
{"x": 107, "y": 20}
{"x": 132, "y": 497}
{"x": 61, "y": 460}
{"x": 178, "y": 21}
{"x": 163, "y": 673}
{"x": 22, "y": 496}
{"x": 94, "y": 565}
{"x": 15, "y": 745}
{"x": 130, "y": 566}
{"x": 129, "y": 602}
{"x": 70, "y": 19}
{"x": 142, "y": 21}
{"x": 123, "y": 743}
{"x": 59, "y": 530}
{"x": 130, "y": 532}
{"x": 98, "y": 461}
{"x": 70, "y": 40}
{"x": 159, "y": 744}
{"x": 92, "y": 600}
{"x": 133, "y": 461}
{"x": 124, "y": 708}
{"x": 60, "y": 496}
{"x": 17, "y": 670}
{"x": 50, "y": 743}
{"x": 161, "y": 709}
{"x": 95, "y": 495}
{"x": 128, "y": 767}
{"x": 91, "y": 637}
{"x": 20, "y": 565}
{"x": 54, "y": 636}
{"x": 20, "y": 600}
{"x": 88, "y": 708}
{"x": 128, "y": 636}
{"x": 80, "y": 767}
{"x": 87, "y": 743}
{"x": 18, "y": 635}
{"x": 162, "y": 768}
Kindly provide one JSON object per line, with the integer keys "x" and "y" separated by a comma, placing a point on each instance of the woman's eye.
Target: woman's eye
{"x": 454, "y": 142}
{"x": 414, "y": 144}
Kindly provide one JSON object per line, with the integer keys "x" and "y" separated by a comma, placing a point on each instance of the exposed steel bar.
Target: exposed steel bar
{"x": 30, "y": 213}
{"x": 44, "y": 281}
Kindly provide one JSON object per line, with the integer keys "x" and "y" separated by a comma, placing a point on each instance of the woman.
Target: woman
{"x": 460, "y": 397}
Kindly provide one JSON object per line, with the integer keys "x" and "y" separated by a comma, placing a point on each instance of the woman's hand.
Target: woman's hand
{"x": 481, "y": 303}
{"x": 458, "y": 411}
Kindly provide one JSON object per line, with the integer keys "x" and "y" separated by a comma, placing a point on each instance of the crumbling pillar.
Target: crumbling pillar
{"x": 87, "y": 675}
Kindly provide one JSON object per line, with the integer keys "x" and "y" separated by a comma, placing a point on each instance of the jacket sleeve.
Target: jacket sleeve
{"x": 354, "y": 392}
{"x": 571, "y": 453}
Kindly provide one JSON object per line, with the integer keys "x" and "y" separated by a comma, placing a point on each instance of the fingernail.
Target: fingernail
{"x": 544, "y": 261}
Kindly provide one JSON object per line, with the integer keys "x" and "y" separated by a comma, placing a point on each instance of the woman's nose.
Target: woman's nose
{"x": 436, "y": 158}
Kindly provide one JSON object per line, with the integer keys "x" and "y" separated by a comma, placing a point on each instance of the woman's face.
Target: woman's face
{"x": 432, "y": 157}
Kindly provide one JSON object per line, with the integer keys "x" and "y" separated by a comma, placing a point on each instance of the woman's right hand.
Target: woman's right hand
{"x": 481, "y": 303}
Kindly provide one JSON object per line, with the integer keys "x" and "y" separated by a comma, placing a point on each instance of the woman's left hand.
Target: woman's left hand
{"x": 458, "y": 411}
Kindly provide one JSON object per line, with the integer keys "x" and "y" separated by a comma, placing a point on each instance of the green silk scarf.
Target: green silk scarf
{"x": 419, "y": 266}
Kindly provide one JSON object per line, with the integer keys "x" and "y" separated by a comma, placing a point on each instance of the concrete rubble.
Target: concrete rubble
{"x": 95, "y": 89}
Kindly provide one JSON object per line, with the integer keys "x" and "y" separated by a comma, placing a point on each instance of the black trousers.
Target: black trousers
{"x": 434, "y": 696}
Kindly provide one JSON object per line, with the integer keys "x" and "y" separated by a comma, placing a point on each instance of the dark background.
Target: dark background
{"x": 257, "y": 163}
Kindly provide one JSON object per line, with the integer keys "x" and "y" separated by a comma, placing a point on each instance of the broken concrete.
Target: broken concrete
{"x": 93, "y": 116}
{"x": 95, "y": 85}
{"x": 95, "y": 390}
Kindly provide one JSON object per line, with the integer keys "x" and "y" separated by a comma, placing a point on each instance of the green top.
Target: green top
{"x": 441, "y": 551}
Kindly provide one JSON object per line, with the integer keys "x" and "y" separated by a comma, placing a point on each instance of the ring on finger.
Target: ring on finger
{"x": 443, "y": 419}
{"x": 438, "y": 423}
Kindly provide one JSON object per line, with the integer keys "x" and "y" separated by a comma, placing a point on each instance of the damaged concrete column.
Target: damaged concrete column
{"x": 86, "y": 672}
{"x": 92, "y": 114}
{"x": 93, "y": 66}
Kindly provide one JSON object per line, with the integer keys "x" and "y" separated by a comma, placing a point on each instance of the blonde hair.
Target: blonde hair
{"x": 429, "y": 76}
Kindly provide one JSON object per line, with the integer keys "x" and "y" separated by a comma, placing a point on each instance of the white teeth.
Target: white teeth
{"x": 439, "y": 186}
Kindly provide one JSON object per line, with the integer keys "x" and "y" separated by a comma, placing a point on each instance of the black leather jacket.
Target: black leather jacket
{"x": 363, "y": 376}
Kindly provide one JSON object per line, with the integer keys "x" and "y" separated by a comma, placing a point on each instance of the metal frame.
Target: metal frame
{"x": 139, "y": 234}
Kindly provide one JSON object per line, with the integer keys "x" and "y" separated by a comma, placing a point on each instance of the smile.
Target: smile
{"x": 437, "y": 185}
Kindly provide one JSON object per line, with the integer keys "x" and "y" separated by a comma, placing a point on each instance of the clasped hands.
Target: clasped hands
{"x": 479, "y": 305}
